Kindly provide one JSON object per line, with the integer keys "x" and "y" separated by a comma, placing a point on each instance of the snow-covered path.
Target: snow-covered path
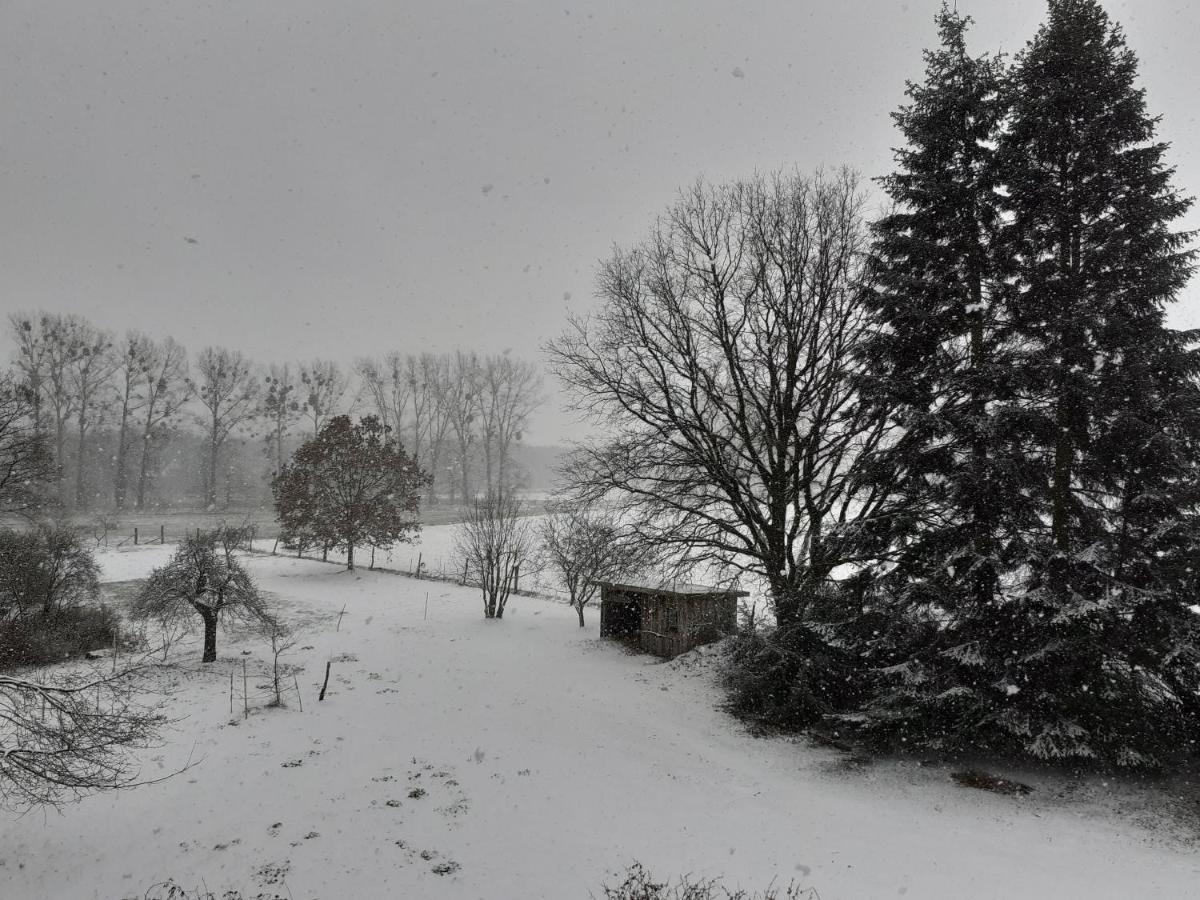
{"x": 459, "y": 758}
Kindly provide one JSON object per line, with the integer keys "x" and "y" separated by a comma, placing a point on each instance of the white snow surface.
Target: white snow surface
{"x": 549, "y": 761}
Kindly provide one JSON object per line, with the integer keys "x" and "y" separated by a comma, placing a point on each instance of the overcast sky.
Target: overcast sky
{"x": 299, "y": 178}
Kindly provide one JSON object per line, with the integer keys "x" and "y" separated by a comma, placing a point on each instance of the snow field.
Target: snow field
{"x": 459, "y": 758}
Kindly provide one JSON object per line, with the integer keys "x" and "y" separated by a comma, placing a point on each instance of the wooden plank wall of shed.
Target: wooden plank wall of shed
{"x": 674, "y": 625}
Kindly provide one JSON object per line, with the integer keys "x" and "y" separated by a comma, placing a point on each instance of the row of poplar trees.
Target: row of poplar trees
{"x": 1045, "y": 539}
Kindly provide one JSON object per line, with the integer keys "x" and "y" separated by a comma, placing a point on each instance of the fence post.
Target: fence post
{"x": 135, "y": 536}
{"x": 162, "y": 534}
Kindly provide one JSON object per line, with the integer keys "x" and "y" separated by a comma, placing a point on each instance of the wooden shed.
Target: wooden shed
{"x": 669, "y": 619}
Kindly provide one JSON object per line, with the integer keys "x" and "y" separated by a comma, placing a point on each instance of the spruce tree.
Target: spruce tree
{"x": 1096, "y": 645}
{"x": 939, "y": 359}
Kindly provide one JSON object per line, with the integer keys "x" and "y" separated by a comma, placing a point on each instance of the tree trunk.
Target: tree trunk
{"x": 210, "y": 635}
{"x": 350, "y": 556}
{"x": 121, "y": 475}
{"x": 80, "y": 499}
{"x": 579, "y": 609}
{"x": 144, "y": 463}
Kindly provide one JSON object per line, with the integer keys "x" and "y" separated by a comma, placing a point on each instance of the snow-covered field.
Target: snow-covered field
{"x": 460, "y": 758}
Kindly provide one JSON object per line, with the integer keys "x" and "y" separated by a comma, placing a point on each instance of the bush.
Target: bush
{"x": 638, "y": 884}
{"x": 790, "y": 678}
{"x": 45, "y": 570}
{"x": 62, "y": 634}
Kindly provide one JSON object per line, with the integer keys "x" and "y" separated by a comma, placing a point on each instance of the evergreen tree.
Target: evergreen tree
{"x": 1098, "y": 649}
{"x": 1045, "y": 540}
{"x": 941, "y": 357}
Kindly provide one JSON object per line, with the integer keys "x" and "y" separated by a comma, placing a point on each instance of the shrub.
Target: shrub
{"x": 49, "y": 584}
{"x": 789, "y": 678}
{"x": 45, "y": 570}
{"x": 60, "y": 635}
{"x": 638, "y": 884}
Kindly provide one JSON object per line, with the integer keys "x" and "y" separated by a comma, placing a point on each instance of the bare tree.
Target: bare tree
{"x": 282, "y": 640}
{"x": 281, "y": 408}
{"x": 723, "y": 362}
{"x": 31, "y": 360}
{"x": 166, "y": 389}
{"x": 322, "y": 386}
{"x": 26, "y": 466}
{"x": 386, "y": 385}
{"x": 89, "y": 375}
{"x": 132, "y": 372}
{"x": 435, "y": 372}
{"x": 495, "y": 543}
{"x": 204, "y": 578}
{"x": 583, "y": 544}
{"x": 459, "y": 394}
{"x": 509, "y": 390}
{"x": 64, "y": 739}
{"x": 226, "y": 386}
{"x": 65, "y": 361}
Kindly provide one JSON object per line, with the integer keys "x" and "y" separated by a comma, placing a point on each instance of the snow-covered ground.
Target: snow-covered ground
{"x": 460, "y": 758}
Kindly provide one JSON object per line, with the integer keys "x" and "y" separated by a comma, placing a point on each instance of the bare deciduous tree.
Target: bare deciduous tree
{"x": 387, "y": 388}
{"x": 166, "y": 389}
{"x": 89, "y": 373}
{"x": 722, "y": 361}
{"x": 583, "y": 544}
{"x": 66, "y": 362}
{"x": 65, "y": 739}
{"x": 226, "y": 386}
{"x": 322, "y": 386}
{"x": 495, "y": 543}
{"x": 509, "y": 390}
{"x": 459, "y": 394}
{"x": 26, "y": 466}
{"x": 132, "y": 374}
{"x": 281, "y": 408}
{"x": 205, "y": 579}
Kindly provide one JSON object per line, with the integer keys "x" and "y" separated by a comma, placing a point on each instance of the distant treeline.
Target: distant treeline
{"x": 135, "y": 422}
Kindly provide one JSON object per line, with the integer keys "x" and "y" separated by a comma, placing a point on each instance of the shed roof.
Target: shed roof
{"x": 671, "y": 589}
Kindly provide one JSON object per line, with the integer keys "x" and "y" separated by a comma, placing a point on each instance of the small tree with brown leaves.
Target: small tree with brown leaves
{"x": 203, "y": 578}
{"x": 351, "y": 485}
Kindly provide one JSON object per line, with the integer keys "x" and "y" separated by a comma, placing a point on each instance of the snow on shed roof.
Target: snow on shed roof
{"x": 672, "y": 589}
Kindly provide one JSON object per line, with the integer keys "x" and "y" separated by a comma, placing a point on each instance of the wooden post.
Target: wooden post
{"x": 427, "y": 604}
{"x": 325, "y": 684}
{"x": 162, "y": 534}
{"x": 342, "y": 613}
{"x": 420, "y": 562}
{"x": 231, "y": 693}
{"x": 245, "y": 693}
{"x": 135, "y": 536}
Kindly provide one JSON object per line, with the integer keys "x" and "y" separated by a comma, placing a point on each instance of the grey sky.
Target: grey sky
{"x": 297, "y": 178}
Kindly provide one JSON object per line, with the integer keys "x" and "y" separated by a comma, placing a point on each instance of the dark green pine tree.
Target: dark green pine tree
{"x": 940, "y": 359}
{"x": 1096, "y": 645}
